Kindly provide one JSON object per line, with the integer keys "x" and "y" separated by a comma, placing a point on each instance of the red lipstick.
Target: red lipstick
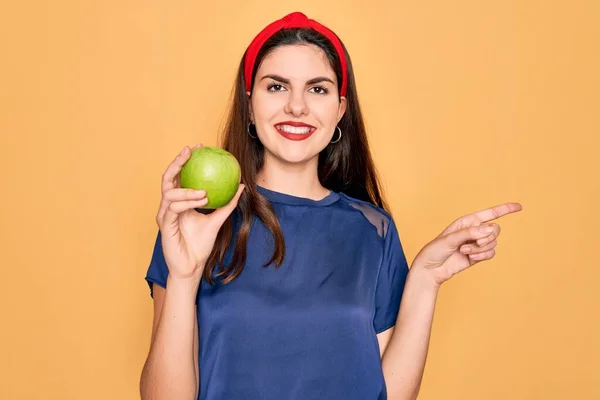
{"x": 294, "y": 130}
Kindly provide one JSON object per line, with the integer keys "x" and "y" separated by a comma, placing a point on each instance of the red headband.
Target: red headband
{"x": 293, "y": 20}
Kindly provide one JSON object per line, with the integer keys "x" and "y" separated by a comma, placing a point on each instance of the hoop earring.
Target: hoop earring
{"x": 248, "y": 129}
{"x": 339, "y": 137}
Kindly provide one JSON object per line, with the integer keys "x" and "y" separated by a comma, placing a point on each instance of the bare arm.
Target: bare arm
{"x": 171, "y": 369}
{"x": 384, "y": 338}
{"x": 466, "y": 242}
{"x": 187, "y": 240}
{"x": 405, "y": 353}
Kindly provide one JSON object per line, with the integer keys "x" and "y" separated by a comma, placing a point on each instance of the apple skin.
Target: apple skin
{"x": 213, "y": 170}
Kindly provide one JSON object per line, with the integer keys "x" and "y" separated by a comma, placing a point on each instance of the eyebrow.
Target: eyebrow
{"x": 287, "y": 81}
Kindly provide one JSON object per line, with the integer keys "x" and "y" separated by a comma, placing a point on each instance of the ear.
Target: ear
{"x": 251, "y": 116}
{"x": 342, "y": 108}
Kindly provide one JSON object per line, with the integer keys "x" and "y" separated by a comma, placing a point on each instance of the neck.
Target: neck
{"x": 296, "y": 179}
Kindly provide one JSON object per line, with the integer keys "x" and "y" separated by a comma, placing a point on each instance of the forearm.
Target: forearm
{"x": 404, "y": 358}
{"x": 169, "y": 372}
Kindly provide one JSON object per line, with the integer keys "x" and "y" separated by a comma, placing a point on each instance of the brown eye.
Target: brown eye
{"x": 319, "y": 90}
{"x": 275, "y": 87}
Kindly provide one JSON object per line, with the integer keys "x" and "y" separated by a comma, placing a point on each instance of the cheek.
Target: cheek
{"x": 267, "y": 107}
{"x": 326, "y": 112}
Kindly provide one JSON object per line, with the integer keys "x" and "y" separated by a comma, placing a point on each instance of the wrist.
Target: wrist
{"x": 185, "y": 285}
{"x": 190, "y": 277}
{"x": 423, "y": 278}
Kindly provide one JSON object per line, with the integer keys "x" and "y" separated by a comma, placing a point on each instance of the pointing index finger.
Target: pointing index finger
{"x": 496, "y": 212}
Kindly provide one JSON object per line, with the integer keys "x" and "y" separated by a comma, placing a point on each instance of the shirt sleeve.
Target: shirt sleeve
{"x": 390, "y": 281}
{"x": 157, "y": 270}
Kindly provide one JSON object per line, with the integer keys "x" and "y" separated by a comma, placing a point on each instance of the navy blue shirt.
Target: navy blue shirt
{"x": 308, "y": 329}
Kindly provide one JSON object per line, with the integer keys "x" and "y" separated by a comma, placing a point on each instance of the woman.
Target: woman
{"x": 292, "y": 290}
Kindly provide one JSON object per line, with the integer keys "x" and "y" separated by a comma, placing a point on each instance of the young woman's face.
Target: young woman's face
{"x": 295, "y": 103}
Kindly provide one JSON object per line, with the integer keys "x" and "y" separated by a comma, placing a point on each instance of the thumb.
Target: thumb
{"x": 220, "y": 214}
{"x": 456, "y": 239}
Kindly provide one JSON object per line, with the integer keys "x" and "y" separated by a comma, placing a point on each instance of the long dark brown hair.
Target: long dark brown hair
{"x": 345, "y": 166}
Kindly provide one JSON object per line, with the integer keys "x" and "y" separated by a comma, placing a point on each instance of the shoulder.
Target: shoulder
{"x": 374, "y": 215}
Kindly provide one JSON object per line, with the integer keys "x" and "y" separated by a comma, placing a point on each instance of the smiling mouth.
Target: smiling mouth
{"x": 295, "y": 132}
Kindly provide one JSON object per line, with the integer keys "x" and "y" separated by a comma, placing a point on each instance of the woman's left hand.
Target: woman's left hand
{"x": 462, "y": 244}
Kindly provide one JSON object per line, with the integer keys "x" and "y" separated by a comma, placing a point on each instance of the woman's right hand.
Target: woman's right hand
{"x": 188, "y": 236}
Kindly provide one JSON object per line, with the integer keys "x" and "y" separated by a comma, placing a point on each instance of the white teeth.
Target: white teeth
{"x": 299, "y": 130}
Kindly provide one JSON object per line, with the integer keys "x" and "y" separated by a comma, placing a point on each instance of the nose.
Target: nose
{"x": 296, "y": 104}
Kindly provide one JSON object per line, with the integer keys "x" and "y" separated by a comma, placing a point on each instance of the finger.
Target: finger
{"x": 479, "y": 217}
{"x": 177, "y": 207}
{"x": 494, "y": 235}
{"x": 168, "y": 178}
{"x": 492, "y": 213}
{"x": 178, "y": 194}
{"x": 220, "y": 214}
{"x": 475, "y": 249}
{"x": 456, "y": 225}
{"x": 455, "y": 239}
{"x": 483, "y": 256}
{"x": 177, "y": 180}
{"x": 164, "y": 203}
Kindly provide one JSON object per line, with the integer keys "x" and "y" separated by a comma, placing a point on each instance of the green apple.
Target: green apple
{"x": 213, "y": 170}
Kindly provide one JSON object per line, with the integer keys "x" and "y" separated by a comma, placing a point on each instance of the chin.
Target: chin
{"x": 295, "y": 154}
{"x": 296, "y": 157}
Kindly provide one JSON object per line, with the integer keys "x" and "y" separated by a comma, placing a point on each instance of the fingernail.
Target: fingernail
{"x": 486, "y": 229}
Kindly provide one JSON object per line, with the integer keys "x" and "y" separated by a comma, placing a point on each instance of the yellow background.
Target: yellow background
{"x": 468, "y": 104}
